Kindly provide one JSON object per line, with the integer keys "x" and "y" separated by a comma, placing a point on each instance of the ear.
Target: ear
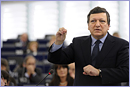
{"x": 88, "y": 26}
{"x": 109, "y": 27}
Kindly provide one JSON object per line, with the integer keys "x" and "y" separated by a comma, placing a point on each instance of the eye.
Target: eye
{"x": 102, "y": 21}
{"x": 58, "y": 68}
{"x": 92, "y": 20}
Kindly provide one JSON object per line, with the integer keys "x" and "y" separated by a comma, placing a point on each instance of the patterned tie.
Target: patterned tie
{"x": 95, "y": 52}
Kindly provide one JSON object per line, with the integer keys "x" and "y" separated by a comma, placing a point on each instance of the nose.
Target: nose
{"x": 97, "y": 24}
{"x": 61, "y": 69}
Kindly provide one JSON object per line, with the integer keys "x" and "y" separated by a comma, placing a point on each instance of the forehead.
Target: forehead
{"x": 59, "y": 66}
{"x": 98, "y": 16}
{"x": 30, "y": 60}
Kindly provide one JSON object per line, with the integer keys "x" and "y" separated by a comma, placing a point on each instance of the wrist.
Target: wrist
{"x": 100, "y": 72}
{"x": 59, "y": 42}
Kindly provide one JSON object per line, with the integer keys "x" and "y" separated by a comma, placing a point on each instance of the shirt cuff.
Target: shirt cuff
{"x": 55, "y": 47}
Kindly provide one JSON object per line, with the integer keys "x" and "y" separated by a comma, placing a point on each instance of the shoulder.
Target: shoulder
{"x": 81, "y": 38}
{"x": 118, "y": 40}
{"x": 38, "y": 71}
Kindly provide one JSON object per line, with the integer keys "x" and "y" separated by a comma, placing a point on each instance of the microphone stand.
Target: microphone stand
{"x": 42, "y": 79}
{"x": 50, "y": 72}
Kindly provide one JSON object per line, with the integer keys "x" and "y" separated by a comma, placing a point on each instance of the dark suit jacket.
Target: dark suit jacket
{"x": 113, "y": 60}
{"x": 35, "y": 79}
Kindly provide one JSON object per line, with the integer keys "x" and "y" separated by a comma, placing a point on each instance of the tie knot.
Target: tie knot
{"x": 98, "y": 42}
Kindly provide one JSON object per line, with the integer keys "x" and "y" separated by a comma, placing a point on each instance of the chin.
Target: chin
{"x": 62, "y": 76}
{"x": 98, "y": 35}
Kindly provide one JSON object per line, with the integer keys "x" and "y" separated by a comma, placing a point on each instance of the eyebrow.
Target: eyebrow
{"x": 97, "y": 19}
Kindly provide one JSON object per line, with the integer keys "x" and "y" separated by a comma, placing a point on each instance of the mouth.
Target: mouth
{"x": 61, "y": 73}
{"x": 97, "y": 29}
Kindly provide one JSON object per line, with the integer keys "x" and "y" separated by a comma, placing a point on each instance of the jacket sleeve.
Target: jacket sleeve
{"x": 62, "y": 55}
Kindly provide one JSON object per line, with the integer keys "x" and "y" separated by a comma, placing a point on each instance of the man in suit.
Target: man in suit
{"x": 22, "y": 41}
{"x": 29, "y": 73}
{"x": 100, "y": 59}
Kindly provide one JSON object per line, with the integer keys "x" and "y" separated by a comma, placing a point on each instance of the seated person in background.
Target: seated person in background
{"x": 32, "y": 48}
{"x": 30, "y": 74}
{"x": 6, "y": 77}
{"x": 61, "y": 76}
{"x": 2, "y": 80}
{"x": 72, "y": 70}
{"x": 24, "y": 39}
{"x": 5, "y": 66}
{"x": 22, "y": 42}
{"x": 116, "y": 34}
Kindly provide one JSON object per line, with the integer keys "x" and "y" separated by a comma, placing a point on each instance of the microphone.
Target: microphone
{"x": 49, "y": 73}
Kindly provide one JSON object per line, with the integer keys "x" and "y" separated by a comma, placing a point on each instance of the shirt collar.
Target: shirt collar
{"x": 102, "y": 39}
{"x": 26, "y": 75}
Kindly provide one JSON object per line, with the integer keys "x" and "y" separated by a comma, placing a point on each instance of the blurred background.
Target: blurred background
{"x": 40, "y": 20}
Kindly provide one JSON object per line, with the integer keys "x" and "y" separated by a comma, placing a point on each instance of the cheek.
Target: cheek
{"x": 57, "y": 72}
{"x": 90, "y": 27}
{"x": 34, "y": 66}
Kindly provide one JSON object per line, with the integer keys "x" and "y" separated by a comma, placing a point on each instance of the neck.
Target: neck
{"x": 63, "y": 79}
{"x": 99, "y": 37}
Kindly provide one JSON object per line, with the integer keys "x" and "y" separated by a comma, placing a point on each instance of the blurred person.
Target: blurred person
{"x": 6, "y": 77}
{"x": 24, "y": 39}
{"x": 29, "y": 74}
{"x": 32, "y": 48}
{"x": 22, "y": 42}
{"x": 4, "y": 65}
{"x": 72, "y": 70}
{"x": 116, "y": 34}
{"x": 2, "y": 80}
{"x": 61, "y": 76}
{"x": 8, "y": 80}
{"x": 100, "y": 58}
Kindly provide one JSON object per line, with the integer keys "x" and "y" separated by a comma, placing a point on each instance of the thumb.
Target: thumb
{"x": 85, "y": 73}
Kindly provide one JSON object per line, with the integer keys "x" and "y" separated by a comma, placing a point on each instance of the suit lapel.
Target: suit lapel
{"x": 107, "y": 46}
{"x": 86, "y": 50}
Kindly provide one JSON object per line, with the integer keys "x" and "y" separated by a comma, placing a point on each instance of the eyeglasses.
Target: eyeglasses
{"x": 31, "y": 64}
